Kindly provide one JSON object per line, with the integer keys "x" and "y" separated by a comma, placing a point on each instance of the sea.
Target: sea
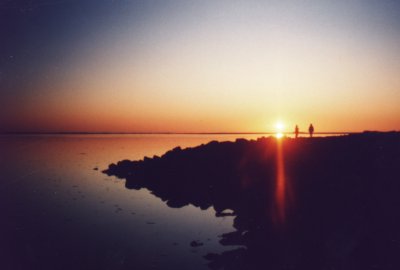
{"x": 59, "y": 211}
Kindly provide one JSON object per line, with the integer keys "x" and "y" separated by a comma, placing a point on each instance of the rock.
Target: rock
{"x": 195, "y": 243}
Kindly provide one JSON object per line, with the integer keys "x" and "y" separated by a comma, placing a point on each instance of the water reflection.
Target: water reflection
{"x": 60, "y": 213}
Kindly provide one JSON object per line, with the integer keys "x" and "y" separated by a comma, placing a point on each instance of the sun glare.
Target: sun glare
{"x": 279, "y": 126}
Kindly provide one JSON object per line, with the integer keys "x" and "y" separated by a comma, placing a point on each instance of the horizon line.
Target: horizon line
{"x": 170, "y": 133}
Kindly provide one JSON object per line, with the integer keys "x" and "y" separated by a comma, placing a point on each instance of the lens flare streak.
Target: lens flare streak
{"x": 281, "y": 189}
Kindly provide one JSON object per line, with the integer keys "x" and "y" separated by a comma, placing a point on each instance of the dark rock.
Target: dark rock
{"x": 196, "y": 243}
{"x": 320, "y": 203}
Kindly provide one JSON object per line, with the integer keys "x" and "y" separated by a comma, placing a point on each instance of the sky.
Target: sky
{"x": 199, "y": 66}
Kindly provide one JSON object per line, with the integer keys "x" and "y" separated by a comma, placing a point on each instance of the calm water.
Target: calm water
{"x": 59, "y": 212}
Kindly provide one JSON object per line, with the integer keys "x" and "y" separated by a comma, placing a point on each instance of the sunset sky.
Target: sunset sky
{"x": 199, "y": 66}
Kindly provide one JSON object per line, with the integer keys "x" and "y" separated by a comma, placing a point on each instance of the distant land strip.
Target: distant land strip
{"x": 172, "y": 133}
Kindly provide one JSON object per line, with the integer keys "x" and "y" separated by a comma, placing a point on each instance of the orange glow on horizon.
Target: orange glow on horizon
{"x": 229, "y": 66}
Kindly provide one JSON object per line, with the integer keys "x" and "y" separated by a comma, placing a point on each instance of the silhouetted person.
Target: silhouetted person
{"x": 296, "y": 131}
{"x": 311, "y": 130}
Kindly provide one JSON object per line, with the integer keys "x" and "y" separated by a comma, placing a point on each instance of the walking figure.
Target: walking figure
{"x": 311, "y": 130}
{"x": 296, "y": 131}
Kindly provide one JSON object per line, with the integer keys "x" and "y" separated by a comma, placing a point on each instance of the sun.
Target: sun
{"x": 279, "y": 126}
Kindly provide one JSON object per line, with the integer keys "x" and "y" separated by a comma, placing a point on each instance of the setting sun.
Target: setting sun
{"x": 279, "y": 126}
